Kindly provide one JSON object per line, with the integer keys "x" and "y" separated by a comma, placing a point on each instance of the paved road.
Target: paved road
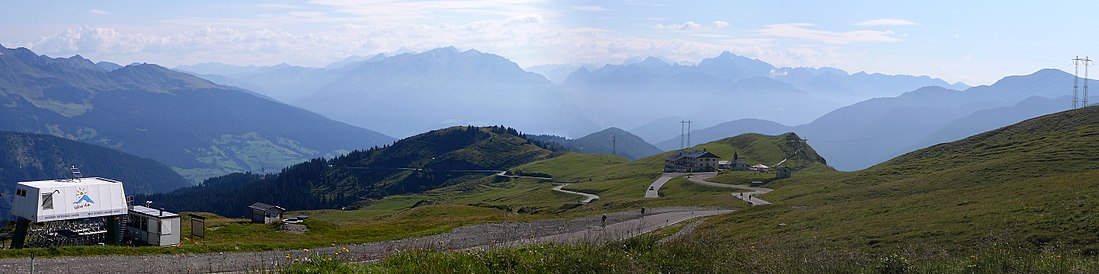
{"x": 654, "y": 189}
{"x": 587, "y": 197}
{"x": 619, "y": 225}
{"x": 753, "y": 192}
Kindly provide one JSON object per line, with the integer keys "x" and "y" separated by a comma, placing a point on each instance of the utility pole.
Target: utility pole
{"x": 688, "y": 132}
{"x": 682, "y": 126}
{"x": 1086, "y": 62}
{"x": 614, "y": 144}
{"x": 1076, "y": 81}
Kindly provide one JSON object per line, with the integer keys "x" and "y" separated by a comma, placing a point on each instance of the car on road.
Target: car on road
{"x": 651, "y": 188}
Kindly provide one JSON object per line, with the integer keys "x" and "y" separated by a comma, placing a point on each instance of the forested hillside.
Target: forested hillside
{"x": 418, "y": 163}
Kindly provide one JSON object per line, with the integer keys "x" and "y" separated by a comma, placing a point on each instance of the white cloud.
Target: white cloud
{"x": 885, "y": 22}
{"x": 388, "y": 11}
{"x": 721, "y": 24}
{"x": 276, "y": 6}
{"x": 98, "y": 11}
{"x": 801, "y": 31}
{"x": 688, "y": 26}
{"x": 590, "y": 8}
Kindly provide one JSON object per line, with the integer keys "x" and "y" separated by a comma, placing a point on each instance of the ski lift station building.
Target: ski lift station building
{"x": 68, "y": 199}
{"x": 76, "y": 198}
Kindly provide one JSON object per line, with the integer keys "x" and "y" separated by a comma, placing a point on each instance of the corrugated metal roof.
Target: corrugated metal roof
{"x": 69, "y": 182}
{"x": 691, "y": 154}
{"x": 265, "y": 207}
{"x": 153, "y": 212}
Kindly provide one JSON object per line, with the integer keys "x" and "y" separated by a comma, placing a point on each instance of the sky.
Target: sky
{"x": 976, "y": 42}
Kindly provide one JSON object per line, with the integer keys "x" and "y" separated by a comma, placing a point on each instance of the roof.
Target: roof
{"x": 69, "y": 182}
{"x": 153, "y": 212}
{"x": 265, "y": 207}
{"x": 691, "y": 154}
{"x": 761, "y": 166}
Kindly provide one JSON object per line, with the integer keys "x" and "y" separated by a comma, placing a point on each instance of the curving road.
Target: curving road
{"x": 654, "y": 189}
{"x": 749, "y": 196}
{"x": 587, "y": 197}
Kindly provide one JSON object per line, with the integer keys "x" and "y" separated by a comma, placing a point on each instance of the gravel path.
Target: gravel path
{"x": 619, "y": 225}
{"x": 751, "y": 196}
{"x": 587, "y": 197}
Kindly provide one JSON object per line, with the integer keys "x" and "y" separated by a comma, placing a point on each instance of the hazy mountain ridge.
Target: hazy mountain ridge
{"x": 725, "y": 87}
{"x": 608, "y": 141}
{"x": 436, "y": 88}
{"x": 589, "y": 98}
{"x": 872, "y": 131}
{"x": 199, "y": 128}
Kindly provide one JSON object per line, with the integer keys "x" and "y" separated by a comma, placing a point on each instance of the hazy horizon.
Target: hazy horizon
{"x": 964, "y": 42}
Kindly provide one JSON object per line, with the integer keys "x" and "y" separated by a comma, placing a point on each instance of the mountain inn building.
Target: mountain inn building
{"x": 691, "y": 161}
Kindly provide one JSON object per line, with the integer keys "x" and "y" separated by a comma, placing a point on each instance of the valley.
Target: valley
{"x": 541, "y": 137}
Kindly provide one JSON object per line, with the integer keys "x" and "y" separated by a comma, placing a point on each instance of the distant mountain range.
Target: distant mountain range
{"x": 199, "y": 128}
{"x": 445, "y": 87}
{"x": 422, "y": 162}
{"x": 724, "y": 88}
{"x": 872, "y": 131}
{"x": 608, "y": 141}
{"x": 437, "y": 88}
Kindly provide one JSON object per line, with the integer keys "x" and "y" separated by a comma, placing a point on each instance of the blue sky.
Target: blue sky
{"x": 969, "y": 41}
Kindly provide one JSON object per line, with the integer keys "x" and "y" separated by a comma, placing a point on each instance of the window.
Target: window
{"x": 47, "y": 201}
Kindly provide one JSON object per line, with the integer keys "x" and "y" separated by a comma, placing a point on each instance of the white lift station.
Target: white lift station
{"x": 69, "y": 209}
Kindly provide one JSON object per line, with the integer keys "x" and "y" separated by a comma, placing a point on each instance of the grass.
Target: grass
{"x": 1022, "y": 199}
{"x": 621, "y": 184}
{"x": 742, "y": 177}
{"x": 699, "y": 255}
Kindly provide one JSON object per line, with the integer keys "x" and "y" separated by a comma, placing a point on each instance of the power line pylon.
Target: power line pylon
{"x": 1087, "y": 61}
{"x": 1076, "y": 82}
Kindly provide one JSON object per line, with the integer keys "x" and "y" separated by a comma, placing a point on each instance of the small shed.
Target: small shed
{"x": 153, "y": 226}
{"x": 782, "y": 172}
{"x": 266, "y": 214}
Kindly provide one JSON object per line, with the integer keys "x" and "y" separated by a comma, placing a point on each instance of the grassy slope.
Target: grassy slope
{"x": 620, "y": 183}
{"x": 1031, "y": 184}
{"x": 1018, "y": 199}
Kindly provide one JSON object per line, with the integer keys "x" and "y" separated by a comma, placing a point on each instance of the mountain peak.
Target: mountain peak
{"x": 1047, "y": 75}
{"x": 444, "y": 50}
{"x": 654, "y": 60}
